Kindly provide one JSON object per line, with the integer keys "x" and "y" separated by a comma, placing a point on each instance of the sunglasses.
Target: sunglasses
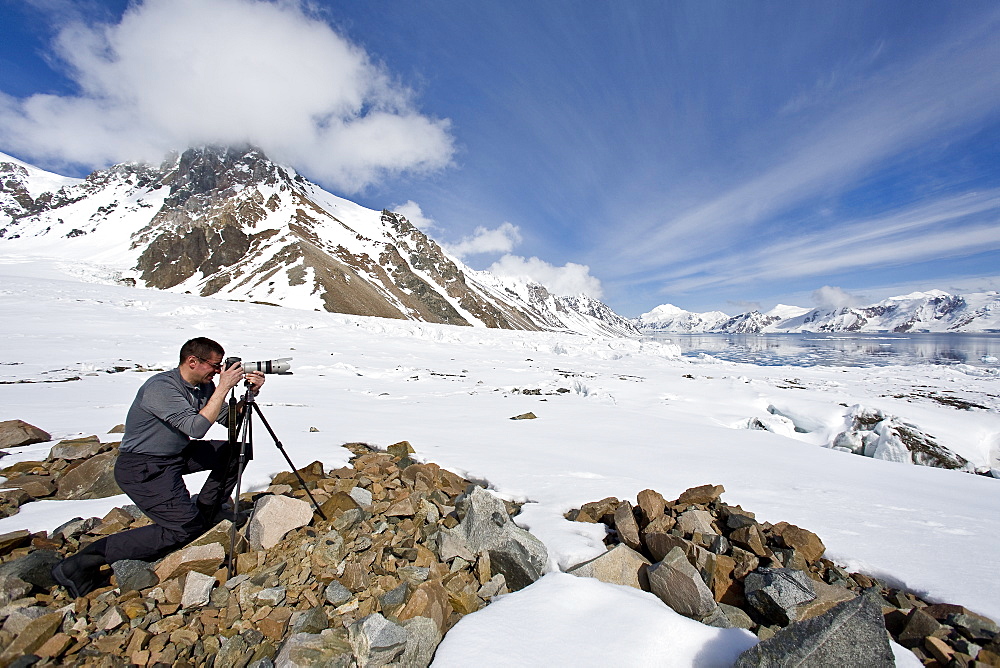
{"x": 215, "y": 365}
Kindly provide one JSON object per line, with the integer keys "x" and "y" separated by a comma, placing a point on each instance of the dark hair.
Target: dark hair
{"x": 201, "y": 348}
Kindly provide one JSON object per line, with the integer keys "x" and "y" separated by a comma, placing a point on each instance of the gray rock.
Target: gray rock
{"x": 313, "y": 620}
{"x": 487, "y": 527}
{"x": 75, "y": 449}
{"x": 75, "y": 527}
{"x": 422, "y": 639}
{"x": 775, "y": 592}
{"x": 18, "y": 619}
{"x": 273, "y": 517}
{"x": 620, "y": 565}
{"x": 34, "y": 568}
{"x": 12, "y": 588}
{"x": 849, "y": 634}
{"x": 362, "y": 496}
{"x": 677, "y": 583}
{"x": 272, "y": 596}
{"x": 376, "y": 641}
{"x": 133, "y": 575}
{"x": 337, "y": 594}
{"x": 305, "y": 650}
{"x": 696, "y": 521}
{"x": 234, "y": 653}
{"x": 15, "y": 433}
{"x": 197, "y": 590}
{"x": 737, "y": 618}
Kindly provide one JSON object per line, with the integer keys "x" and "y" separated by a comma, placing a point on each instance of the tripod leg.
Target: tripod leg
{"x": 245, "y": 441}
{"x": 281, "y": 449}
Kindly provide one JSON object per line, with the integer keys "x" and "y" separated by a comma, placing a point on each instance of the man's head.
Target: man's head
{"x": 200, "y": 359}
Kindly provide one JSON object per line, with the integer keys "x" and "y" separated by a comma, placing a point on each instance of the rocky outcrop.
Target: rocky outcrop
{"x": 15, "y": 433}
{"x": 717, "y": 564}
{"x": 372, "y": 584}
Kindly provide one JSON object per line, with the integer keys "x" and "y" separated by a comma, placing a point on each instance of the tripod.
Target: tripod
{"x": 241, "y": 434}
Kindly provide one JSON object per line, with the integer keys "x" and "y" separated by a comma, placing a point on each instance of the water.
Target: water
{"x": 821, "y": 349}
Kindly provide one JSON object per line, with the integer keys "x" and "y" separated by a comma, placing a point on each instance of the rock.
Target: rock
{"x": 337, "y": 594}
{"x": 850, "y": 634}
{"x": 204, "y": 559}
{"x": 133, "y": 575}
{"x": 338, "y": 503}
{"x": 678, "y": 584}
{"x": 620, "y": 565}
{"x": 750, "y": 538}
{"x": 627, "y": 527}
{"x": 35, "y": 486}
{"x": 919, "y": 625}
{"x": 376, "y": 641}
{"x": 272, "y": 596}
{"x": 305, "y": 650}
{"x": 488, "y": 528}
{"x": 93, "y": 479}
{"x": 15, "y": 433}
{"x": 827, "y": 596}
{"x": 197, "y": 590}
{"x": 12, "y": 588}
{"x": 660, "y": 544}
{"x": 651, "y": 504}
{"x": 525, "y": 416}
{"x": 19, "y": 619}
{"x": 805, "y": 542}
{"x": 361, "y": 496}
{"x": 313, "y": 620}
{"x": 696, "y": 521}
{"x": 703, "y": 495}
{"x": 422, "y": 639}
{"x": 429, "y": 600}
{"x": 737, "y": 618}
{"x": 275, "y": 516}
{"x": 776, "y": 592}
{"x": 34, "y": 568}
{"x": 233, "y": 653}
{"x": 77, "y": 448}
{"x": 32, "y": 637}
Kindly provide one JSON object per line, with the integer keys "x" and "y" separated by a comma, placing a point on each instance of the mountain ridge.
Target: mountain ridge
{"x": 930, "y": 311}
{"x": 228, "y": 222}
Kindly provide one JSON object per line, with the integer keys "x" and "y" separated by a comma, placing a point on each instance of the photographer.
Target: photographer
{"x": 171, "y": 411}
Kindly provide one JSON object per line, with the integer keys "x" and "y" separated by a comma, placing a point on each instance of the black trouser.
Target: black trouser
{"x": 156, "y": 486}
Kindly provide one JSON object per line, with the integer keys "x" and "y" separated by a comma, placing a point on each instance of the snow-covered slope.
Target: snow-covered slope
{"x": 230, "y": 223}
{"x": 932, "y": 311}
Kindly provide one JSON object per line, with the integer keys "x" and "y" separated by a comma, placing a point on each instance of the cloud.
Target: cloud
{"x": 503, "y": 239}
{"x": 571, "y": 279}
{"x": 177, "y": 73}
{"x": 828, "y": 297}
{"x": 413, "y": 213}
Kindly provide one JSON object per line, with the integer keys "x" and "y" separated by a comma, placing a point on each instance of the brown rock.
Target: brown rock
{"x": 691, "y": 522}
{"x": 93, "y": 479}
{"x": 36, "y": 486}
{"x": 13, "y": 540}
{"x": 430, "y": 600}
{"x": 76, "y": 448}
{"x": 15, "y": 433}
{"x": 659, "y": 544}
{"x": 338, "y": 503}
{"x": 805, "y": 542}
{"x": 745, "y": 562}
{"x": 620, "y": 565}
{"x": 204, "y": 559}
{"x": 939, "y": 649}
{"x": 919, "y": 625}
{"x": 827, "y": 596}
{"x": 750, "y": 538}
{"x": 628, "y": 528}
{"x": 275, "y": 623}
{"x": 54, "y": 647}
{"x": 651, "y": 504}
{"x": 702, "y": 495}
{"x": 32, "y": 637}
{"x": 401, "y": 508}
{"x": 722, "y": 576}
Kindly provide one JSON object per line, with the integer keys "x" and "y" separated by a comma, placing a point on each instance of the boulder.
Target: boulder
{"x": 805, "y": 542}
{"x": 429, "y": 600}
{"x": 702, "y": 495}
{"x": 376, "y": 641}
{"x": 197, "y": 590}
{"x": 35, "y": 486}
{"x": 77, "y": 448}
{"x": 776, "y": 592}
{"x": 34, "y": 568}
{"x": 15, "y": 433}
{"x": 133, "y": 575}
{"x": 620, "y": 565}
{"x": 32, "y": 637}
{"x": 488, "y": 528}
{"x": 678, "y": 584}
{"x": 275, "y": 516}
{"x": 696, "y": 521}
{"x": 93, "y": 479}
{"x": 305, "y": 650}
{"x": 422, "y": 639}
{"x": 651, "y": 504}
{"x": 628, "y": 528}
{"x": 849, "y": 634}
{"x": 204, "y": 559}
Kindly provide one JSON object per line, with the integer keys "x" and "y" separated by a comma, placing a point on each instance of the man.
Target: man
{"x": 171, "y": 412}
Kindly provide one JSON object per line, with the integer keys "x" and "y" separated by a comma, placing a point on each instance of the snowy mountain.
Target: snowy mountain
{"x": 932, "y": 311}
{"x": 230, "y": 223}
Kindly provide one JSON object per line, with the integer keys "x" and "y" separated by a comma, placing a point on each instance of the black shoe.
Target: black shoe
{"x": 79, "y": 574}
{"x": 226, "y": 512}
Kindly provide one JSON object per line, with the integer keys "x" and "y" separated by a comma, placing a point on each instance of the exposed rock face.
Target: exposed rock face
{"x": 228, "y": 222}
{"x": 872, "y": 433}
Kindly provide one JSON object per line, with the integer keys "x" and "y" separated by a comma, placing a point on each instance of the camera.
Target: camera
{"x": 279, "y": 366}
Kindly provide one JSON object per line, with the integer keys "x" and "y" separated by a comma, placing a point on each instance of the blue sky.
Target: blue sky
{"x": 713, "y": 155}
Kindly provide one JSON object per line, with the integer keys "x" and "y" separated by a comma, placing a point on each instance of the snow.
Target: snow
{"x": 637, "y": 416}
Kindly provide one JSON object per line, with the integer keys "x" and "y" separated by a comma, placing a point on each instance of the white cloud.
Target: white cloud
{"x": 571, "y": 279}
{"x": 502, "y": 239}
{"x": 413, "y": 213}
{"x": 177, "y": 73}
{"x": 830, "y": 297}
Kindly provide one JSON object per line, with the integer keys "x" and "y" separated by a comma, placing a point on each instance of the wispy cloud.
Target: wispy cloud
{"x": 175, "y": 73}
{"x": 951, "y": 89}
{"x": 501, "y": 239}
{"x": 570, "y": 279}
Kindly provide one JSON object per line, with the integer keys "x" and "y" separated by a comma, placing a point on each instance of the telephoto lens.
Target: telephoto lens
{"x": 278, "y": 366}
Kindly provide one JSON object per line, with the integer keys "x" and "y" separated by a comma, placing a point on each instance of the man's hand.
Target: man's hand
{"x": 231, "y": 377}
{"x": 256, "y": 380}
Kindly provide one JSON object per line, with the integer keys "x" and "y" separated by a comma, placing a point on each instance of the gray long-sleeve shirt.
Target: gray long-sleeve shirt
{"x": 164, "y": 416}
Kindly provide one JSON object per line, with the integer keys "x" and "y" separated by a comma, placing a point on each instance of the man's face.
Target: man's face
{"x": 205, "y": 368}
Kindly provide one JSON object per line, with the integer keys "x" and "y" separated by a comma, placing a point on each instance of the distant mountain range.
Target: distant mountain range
{"x": 230, "y": 223}
{"x": 933, "y": 311}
